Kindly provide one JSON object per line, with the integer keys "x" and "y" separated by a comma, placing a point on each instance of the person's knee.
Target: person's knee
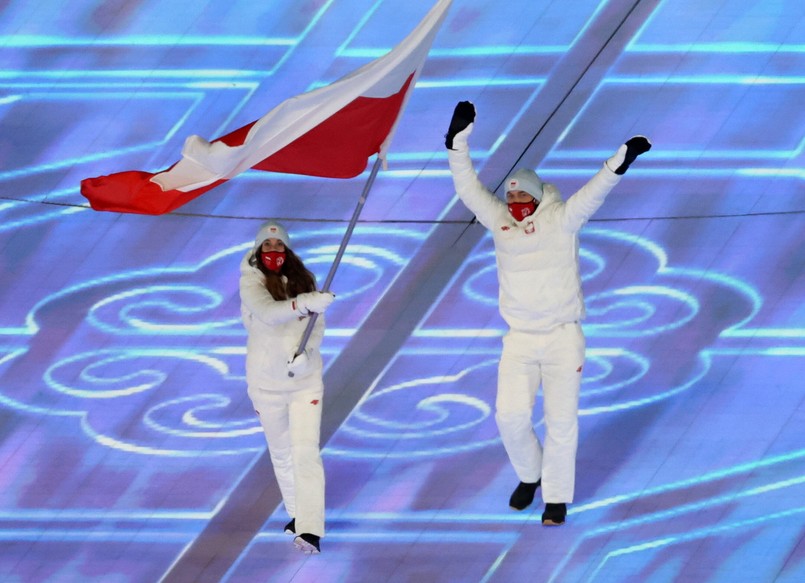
{"x": 512, "y": 419}
{"x": 563, "y": 429}
{"x": 306, "y": 447}
{"x": 514, "y": 399}
{"x": 307, "y": 461}
{"x": 280, "y": 456}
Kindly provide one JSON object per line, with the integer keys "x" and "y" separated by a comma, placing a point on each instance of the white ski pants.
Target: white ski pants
{"x": 555, "y": 359}
{"x": 291, "y": 421}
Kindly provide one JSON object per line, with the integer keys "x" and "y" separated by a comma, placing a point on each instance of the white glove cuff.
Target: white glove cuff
{"x": 297, "y": 308}
{"x": 461, "y": 139}
{"x": 617, "y": 159}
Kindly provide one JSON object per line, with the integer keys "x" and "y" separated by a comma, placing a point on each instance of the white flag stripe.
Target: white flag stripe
{"x": 203, "y": 162}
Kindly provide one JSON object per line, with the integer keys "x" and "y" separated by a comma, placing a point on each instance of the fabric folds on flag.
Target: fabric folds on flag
{"x": 329, "y": 132}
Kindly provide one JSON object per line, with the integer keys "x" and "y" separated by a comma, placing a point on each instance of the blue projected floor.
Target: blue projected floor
{"x": 129, "y": 450}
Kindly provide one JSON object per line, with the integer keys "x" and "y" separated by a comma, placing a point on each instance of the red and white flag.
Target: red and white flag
{"x": 329, "y": 132}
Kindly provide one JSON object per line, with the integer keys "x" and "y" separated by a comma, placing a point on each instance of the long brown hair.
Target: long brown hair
{"x": 300, "y": 279}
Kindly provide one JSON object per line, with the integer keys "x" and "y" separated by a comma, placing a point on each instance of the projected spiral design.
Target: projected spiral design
{"x": 159, "y": 309}
{"x": 428, "y": 416}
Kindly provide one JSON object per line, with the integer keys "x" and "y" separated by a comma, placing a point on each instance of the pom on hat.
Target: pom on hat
{"x": 272, "y": 230}
{"x": 526, "y": 180}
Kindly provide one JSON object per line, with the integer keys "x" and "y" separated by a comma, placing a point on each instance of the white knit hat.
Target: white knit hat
{"x": 526, "y": 180}
{"x": 271, "y": 230}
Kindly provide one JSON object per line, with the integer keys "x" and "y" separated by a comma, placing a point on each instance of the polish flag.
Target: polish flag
{"x": 329, "y": 132}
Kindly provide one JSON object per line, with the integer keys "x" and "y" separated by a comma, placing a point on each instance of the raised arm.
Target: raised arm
{"x": 478, "y": 199}
{"x": 589, "y": 198}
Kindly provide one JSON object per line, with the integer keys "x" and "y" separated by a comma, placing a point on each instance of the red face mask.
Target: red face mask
{"x": 273, "y": 260}
{"x": 521, "y": 210}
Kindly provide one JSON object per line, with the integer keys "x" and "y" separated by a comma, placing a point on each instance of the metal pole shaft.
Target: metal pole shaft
{"x": 350, "y": 228}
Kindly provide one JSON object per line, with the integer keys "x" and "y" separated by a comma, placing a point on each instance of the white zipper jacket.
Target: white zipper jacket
{"x": 275, "y": 329}
{"x": 538, "y": 257}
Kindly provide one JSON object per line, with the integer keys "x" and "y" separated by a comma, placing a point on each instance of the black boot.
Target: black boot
{"x": 554, "y": 514}
{"x": 308, "y": 543}
{"x": 290, "y": 528}
{"x": 523, "y": 495}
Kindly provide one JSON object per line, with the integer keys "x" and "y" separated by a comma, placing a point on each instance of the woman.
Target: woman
{"x": 277, "y": 295}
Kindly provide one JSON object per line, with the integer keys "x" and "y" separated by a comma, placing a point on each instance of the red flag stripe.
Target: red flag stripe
{"x": 338, "y": 155}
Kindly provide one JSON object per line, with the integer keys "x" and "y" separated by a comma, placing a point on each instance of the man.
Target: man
{"x": 536, "y": 248}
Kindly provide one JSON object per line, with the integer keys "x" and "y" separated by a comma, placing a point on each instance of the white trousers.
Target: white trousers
{"x": 555, "y": 359}
{"x": 291, "y": 421}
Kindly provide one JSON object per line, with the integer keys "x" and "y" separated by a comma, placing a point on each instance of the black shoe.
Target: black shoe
{"x": 523, "y": 495}
{"x": 290, "y": 528}
{"x": 554, "y": 514}
{"x": 308, "y": 543}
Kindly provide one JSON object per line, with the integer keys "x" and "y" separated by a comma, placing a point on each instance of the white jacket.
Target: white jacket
{"x": 275, "y": 329}
{"x": 538, "y": 257}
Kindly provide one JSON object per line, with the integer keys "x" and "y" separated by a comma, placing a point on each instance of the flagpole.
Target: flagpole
{"x": 329, "y": 280}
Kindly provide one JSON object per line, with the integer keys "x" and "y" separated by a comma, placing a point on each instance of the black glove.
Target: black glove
{"x": 463, "y": 115}
{"x": 634, "y": 147}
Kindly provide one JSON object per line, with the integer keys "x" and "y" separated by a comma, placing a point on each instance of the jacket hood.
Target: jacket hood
{"x": 550, "y": 194}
